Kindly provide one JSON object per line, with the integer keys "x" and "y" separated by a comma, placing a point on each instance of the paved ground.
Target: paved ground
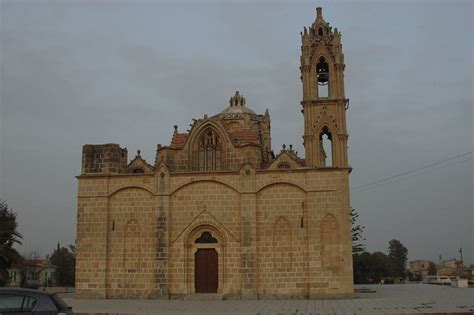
{"x": 388, "y": 299}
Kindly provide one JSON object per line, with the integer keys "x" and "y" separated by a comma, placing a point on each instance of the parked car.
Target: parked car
{"x": 27, "y": 301}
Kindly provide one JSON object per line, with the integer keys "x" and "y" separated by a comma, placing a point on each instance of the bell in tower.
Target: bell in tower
{"x": 322, "y": 72}
{"x": 324, "y": 103}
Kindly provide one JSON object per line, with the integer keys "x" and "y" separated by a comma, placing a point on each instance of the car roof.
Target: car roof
{"x": 31, "y": 292}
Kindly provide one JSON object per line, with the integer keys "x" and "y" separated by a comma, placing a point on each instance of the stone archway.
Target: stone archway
{"x": 205, "y": 263}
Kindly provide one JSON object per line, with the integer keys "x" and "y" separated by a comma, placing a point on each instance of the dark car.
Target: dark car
{"x": 27, "y": 301}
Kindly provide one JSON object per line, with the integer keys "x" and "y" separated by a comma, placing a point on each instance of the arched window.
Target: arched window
{"x": 322, "y": 74}
{"x": 209, "y": 151}
{"x": 138, "y": 170}
{"x": 325, "y": 139}
{"x": 206, "y": 237}
{"x": 284, "y": 165}
{"x": 320, "y": 32}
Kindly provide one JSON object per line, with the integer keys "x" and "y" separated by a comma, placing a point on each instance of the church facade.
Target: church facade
{"x": 219, "y": 212}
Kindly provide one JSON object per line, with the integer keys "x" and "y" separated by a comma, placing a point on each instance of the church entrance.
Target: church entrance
{"x": 206, "y": 270}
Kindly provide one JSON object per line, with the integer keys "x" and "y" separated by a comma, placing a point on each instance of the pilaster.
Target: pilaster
{"x": 248, "y": 201}
{"x": 162, "y": 177}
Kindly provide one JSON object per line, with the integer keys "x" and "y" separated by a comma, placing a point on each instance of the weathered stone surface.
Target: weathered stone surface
{"x": 280, "y": 224}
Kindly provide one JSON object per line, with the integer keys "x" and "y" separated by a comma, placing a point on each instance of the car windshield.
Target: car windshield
{"x": 60, "y": 304}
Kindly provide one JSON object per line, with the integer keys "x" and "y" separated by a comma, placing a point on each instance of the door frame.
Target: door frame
{"x": 190, "y": 250}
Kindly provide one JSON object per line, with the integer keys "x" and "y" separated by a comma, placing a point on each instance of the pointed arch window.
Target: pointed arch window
{"x": 322, "y": 75}
{"x": 209, "y": 151}
{"x": 325, "y": 140}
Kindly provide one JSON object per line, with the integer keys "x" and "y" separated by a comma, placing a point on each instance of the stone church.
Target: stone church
{"x": 218, "y": 211}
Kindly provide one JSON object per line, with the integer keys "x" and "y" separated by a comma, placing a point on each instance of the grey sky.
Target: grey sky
{"x": 76, "y": 72}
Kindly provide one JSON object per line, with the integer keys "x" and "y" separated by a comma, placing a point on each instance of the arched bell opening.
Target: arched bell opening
{"x": 326, "y": 148}
{"x": 322, "y": 77}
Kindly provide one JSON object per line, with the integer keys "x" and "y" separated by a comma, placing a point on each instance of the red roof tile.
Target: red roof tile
{"x": 246, "y": 136}
{"x": 179, "y": 139}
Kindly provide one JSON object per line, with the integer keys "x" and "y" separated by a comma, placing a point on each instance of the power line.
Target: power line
{"x": 426, "y": 171}
{"x": 414, "y": 170}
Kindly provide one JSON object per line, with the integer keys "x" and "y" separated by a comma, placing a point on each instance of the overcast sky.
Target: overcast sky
{"x": 77, "y": 72}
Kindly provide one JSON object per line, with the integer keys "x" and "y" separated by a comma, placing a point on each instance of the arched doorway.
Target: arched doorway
{"x": 206, "y": 266}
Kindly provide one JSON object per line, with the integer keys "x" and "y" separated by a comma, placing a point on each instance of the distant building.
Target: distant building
{"x": 33, "y": 273}
{"x": 446, "y": 271}
{"x": 453, "y": 268}
{"x": 421, "y": 268}
{"x": 453, "y": 263}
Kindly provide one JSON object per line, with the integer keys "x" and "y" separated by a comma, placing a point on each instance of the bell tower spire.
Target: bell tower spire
{"x": 324, "y": 103}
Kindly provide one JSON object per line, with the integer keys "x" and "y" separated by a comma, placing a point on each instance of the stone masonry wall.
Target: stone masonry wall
{"x": 283, "y": 233}
{"x": 131, "y": 244}
{"x": 210, "y": 204}
{"x": 103, "y": 158}
{"x": 281, "y": 241}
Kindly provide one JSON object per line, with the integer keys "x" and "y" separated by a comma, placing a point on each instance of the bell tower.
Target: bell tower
{"x": 324, "y": 103}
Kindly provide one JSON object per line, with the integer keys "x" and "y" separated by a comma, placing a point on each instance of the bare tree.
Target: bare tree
{"x": 30, "y": 267}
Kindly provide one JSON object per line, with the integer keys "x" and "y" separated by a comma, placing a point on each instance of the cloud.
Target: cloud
{"x": 90, "y": 72}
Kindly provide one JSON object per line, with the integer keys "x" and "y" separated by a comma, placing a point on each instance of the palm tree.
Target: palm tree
{"x": 8, "y": 237}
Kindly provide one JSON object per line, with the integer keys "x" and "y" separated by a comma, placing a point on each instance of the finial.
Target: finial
{"x": 205, "y": 116}
{"x": 284, "y": 146}
{"x": 291, "y": 147}
{"x": 237, "y": 100}
{"x": 138, "y": 152}
{"x": 175, "y": 128}
{"x": 319, "y": 12}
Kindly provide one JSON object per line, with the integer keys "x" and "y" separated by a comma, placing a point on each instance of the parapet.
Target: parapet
{"x": 107, "y": 158}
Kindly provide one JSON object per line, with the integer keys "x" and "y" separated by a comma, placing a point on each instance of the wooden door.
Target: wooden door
{"x": 205, "y": 271}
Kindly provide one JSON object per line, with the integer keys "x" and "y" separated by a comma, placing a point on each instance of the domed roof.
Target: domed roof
{"x": 237, "y": 105}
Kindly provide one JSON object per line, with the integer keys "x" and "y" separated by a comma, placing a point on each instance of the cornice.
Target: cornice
{"x": 324, "y": 101}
